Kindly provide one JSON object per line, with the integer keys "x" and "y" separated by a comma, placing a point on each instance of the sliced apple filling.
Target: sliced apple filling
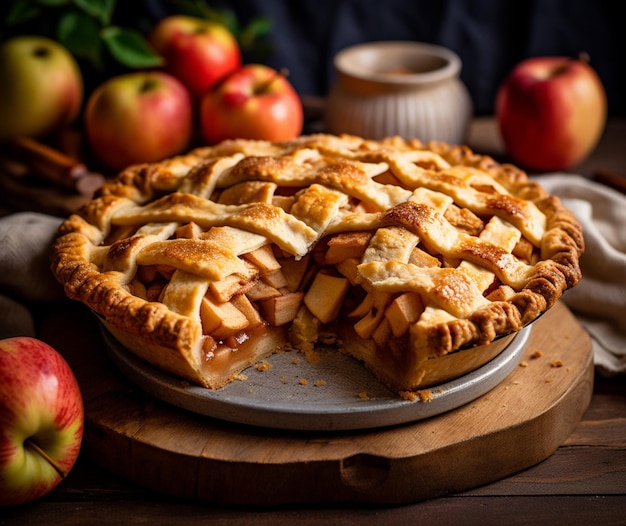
{"x": 270, "y": 289}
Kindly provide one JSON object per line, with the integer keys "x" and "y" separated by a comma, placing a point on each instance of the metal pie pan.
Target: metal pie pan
{"x": 336, "y": 393}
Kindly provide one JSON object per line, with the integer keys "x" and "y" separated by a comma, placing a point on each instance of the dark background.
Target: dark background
{"x": 490, "y": 36}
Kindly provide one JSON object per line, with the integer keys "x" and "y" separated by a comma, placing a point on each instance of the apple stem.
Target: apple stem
{"x": 584, "y": 57}
{"x": 33, "y": 445}
{"x": 41, "y": 52}
{"x": 284, "y": 72}
{"x": 147, "y": 85}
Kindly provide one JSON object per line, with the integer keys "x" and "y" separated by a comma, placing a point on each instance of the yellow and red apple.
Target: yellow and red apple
{"x": 254, "y": 102}
{"x": 138, "y": 117}
{"x": 197, "y": 52}
{"x": 551, "y": 112}
{"x": 42, "y": 87}
{"x": 41, "y": 419}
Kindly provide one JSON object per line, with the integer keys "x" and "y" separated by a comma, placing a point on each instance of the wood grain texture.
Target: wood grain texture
{"x": 518, "y": 424}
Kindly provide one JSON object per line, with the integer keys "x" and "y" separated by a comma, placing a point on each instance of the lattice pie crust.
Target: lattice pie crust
{"x": 411, "y": 257}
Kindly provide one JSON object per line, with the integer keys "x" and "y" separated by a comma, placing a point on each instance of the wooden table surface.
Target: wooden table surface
{"x": 583, "y": 482}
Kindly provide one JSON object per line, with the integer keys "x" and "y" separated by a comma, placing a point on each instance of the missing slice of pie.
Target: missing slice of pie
{"x": 420, "y": 260}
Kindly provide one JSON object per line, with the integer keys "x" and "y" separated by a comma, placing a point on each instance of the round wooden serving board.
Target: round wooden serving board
{"x": 519, "y": 423}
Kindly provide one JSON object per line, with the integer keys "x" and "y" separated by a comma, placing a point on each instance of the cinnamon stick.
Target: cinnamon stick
{"x": 611, "y": 179}
{"x": 55, "y": 166}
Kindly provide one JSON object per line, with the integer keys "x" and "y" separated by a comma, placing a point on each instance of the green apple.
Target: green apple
{"x": 41, "y": 419}
{"x": 138, "y": 117}
{"x": 41, "y": 87}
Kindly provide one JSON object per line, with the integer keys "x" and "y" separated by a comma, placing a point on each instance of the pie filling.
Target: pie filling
{"x": 412, "y": 258}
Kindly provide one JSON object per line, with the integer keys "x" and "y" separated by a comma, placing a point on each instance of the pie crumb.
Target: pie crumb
{"x": 312, "y": 356}
{"x": 536, "y": 354}
{"x": 557, "y": 363}
{"x": 320, "y": 383}
{"x": 411, "y": 396}
{"x": 283, "y": 379}
{"x": 303, "y": 381}
{"x": 523, "y": 364}
{"x": 426, "y": 395}
{"x": 263, "y": 366}
{"x": 363, "y": 395}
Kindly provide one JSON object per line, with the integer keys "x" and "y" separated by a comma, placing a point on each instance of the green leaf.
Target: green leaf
{"x": 102, "y": 10}
{"x": 189, "y": 7}
{"x": 257, "y": 28}
{"x": 227, "y": 18}
{"x": 53, "y": 3}
{"x": 200, "y": 9}
{"x": 79, "y": 33}
{"x": 129, "y": 48}
{"x": 21, "y": 11}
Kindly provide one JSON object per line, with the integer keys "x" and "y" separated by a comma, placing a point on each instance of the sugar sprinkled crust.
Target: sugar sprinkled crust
{"x": 399, "y": 252}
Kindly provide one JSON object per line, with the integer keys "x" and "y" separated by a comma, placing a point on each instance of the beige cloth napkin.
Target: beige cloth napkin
{"x": 25, "y": 277}
{"x": 599, "y": 300}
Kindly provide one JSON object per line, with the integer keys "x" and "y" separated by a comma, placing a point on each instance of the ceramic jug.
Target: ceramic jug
{"x": 411, "y": 89}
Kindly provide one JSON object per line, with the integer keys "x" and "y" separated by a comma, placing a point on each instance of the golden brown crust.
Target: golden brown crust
{"x": 187, "y": 257}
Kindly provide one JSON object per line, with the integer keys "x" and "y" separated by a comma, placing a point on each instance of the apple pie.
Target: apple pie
{"x": 420, "y": 260}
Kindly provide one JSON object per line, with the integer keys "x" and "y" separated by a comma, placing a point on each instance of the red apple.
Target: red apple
{"x": 42, "y": 87}
{"x": 254, "y": 102}
{"x": 41, "y": 419}
{"x": 197, "y": 52}
{"x": 551, "y": 112}
{"x": 138, "y": 117}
